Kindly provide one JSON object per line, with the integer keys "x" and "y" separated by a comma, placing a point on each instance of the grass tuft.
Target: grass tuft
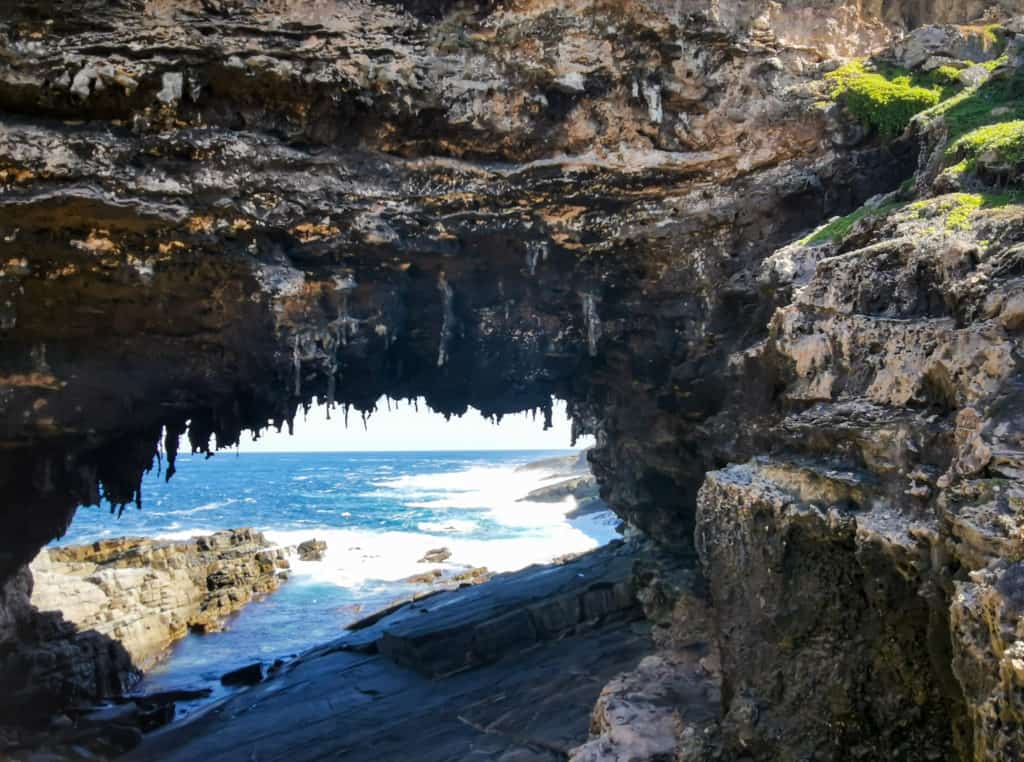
{"x": 997, "y": 100}
{"x": 1005, "y": 139}
{"x": 840, "y": 227}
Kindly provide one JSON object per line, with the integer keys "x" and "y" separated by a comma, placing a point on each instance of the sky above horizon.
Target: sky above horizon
{"x": 403, "y": 428}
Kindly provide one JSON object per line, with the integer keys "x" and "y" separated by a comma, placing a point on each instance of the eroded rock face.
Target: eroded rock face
{"x": 48, "y": 664}
{"x": 988, "y": 640}
{"x": 871, "y": 541}
{"x": 668, "y": 707}
{"x": 483, "y": 210}
{"x": 82, "y": 621}
{"x": 145, "y": 594}
{"x": 235, "y": 208}
{"x": 822, "y": 619}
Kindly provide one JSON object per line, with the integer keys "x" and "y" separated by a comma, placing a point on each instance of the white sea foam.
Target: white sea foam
{"x": 446, "y": 527}
{"x": 497, "y": 490}
{"x": 357, "y": 556}
{"x": 205, "y": 507}
{"x": 175, "y": 533}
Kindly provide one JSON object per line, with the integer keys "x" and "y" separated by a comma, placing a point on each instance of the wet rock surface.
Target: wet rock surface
{"x": 443, "y": 676}
{"x": 570, "y": 478}
{"x": 436, "y": 556}
{"x": 248, "y": 675}
{"x": 311, "y": 550}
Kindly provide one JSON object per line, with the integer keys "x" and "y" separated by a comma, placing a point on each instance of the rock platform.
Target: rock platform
{"x": 509, "y": 670}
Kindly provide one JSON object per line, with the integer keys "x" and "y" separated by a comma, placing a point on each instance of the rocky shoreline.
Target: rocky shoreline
{"x": 146, "y": 593}
{"x": 585, "y": 608}
{"x": 508, "y": 670}
{"x": 115, "y": 607}
{"x": 571, "y": 477}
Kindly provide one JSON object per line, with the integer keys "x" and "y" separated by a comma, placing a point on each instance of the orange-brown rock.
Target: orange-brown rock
{"x": 145, "y": 594}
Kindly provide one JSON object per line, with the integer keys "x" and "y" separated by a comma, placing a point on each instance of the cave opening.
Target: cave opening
{"x": 254, "y": 554}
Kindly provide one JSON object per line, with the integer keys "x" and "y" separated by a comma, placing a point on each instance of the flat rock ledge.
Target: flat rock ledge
{"x": 509, "y": 670}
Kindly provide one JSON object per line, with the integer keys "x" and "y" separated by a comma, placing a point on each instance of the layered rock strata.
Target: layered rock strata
{"x": 48, "y": 665}
{"x": 508, "y": 670}
{"x": 91, "y": 617}
{"x": 146, "y": 594}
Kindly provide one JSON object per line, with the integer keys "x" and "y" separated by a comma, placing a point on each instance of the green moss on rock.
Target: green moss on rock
{"x": 957, "y": 209}
{"x": 998, "y": 100}
{"x": 886, "y": 98}
{"x": 838, "y": 228}
{"x": 1004, "y": 139}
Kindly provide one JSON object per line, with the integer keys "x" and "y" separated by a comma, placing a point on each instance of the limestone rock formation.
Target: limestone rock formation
{"x": 146, "y": 594}
{"x": 292, "y": 204}
{"x": 48, "y": 664}
{"x": 614, "y": 203}
{"x": 668, "y": 706}
{"x": 83, "y": 620}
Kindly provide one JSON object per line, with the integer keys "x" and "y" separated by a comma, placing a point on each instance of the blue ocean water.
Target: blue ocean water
{"x": 378, "y": 512}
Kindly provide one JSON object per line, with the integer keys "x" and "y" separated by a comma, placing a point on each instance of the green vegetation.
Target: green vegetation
{"x": 995, "y": 63}
{"x": 983, "y": 119}
{"x": 886, "y": 98}
{"x": 838, "y": 228}
{"x": 947, "y": 75}
{"x": 1005, "y": 139}
{"x": 958, "y": 208}
{"x": 998, "y": 100}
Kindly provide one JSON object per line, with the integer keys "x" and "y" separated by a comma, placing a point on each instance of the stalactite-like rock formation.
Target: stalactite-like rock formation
{"x": 213, "y": 213}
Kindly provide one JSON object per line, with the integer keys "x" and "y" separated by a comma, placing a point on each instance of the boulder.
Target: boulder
{"x": 312, "y": 550}
{"x": 960, "y": 43}
{"x": 436, "y": 556}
